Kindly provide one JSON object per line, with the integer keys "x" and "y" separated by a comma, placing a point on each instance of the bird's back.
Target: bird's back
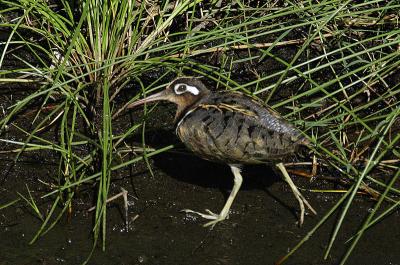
{"x": 233, "y": 128}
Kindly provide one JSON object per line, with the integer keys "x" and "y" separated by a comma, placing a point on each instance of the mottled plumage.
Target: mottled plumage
{"x": 235, "y": 129}
{"x": 231, "y": 128}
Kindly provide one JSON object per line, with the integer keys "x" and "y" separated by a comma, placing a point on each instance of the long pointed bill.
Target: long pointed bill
{"x": 163, "y": 95}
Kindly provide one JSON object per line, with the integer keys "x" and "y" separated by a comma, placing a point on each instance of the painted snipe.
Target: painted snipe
{"x": 230, "y": 128}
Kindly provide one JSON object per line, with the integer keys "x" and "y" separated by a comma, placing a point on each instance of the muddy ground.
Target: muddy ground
{"x": 262, "y": 225}
{"x": 261, "y": 228}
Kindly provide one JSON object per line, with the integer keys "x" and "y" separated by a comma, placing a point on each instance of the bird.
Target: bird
{"x": 232, "y": 128}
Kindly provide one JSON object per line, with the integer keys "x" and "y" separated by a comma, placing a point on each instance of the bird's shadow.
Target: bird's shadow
{"x": 184, "y": 166}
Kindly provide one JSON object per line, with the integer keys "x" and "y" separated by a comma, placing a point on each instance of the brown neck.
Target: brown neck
{"x": 183, "y": 108}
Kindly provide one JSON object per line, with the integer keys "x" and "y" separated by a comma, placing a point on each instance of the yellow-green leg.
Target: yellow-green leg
{"x": 216, "y": 218}
{"x": 300, "y": 198}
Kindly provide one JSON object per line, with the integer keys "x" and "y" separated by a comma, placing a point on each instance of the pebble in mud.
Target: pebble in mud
{"x": 142, "y": 259}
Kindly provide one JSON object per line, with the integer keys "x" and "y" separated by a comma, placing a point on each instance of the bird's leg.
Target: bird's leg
{"x": 216, "y": 218}
{"x": 296, "y": 193}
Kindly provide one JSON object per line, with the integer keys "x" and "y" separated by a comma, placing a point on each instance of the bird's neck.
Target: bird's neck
{"x": 183, "y": 108}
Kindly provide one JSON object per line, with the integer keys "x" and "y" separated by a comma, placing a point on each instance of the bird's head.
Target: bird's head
{"x": 183, "y": 91}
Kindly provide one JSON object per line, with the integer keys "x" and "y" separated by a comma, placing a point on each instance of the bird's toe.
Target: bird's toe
{"x": 214, "y": 222}
{"x": 209, "y": 215}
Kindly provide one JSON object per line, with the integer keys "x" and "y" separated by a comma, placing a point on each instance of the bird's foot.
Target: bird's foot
{"x": 216, "y": 218}
{"x": 300, "y": 198}
{"x": 209, "y": 215}
{"x": 302, "y": 201}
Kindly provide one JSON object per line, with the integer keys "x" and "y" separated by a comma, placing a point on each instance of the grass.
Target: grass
{"x": 330, "y": 67}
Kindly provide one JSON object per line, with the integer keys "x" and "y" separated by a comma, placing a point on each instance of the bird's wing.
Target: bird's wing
{"x": 236, "y": 129}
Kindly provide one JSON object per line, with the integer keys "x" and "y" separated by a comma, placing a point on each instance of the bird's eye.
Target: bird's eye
{"x": 181, "y": 88}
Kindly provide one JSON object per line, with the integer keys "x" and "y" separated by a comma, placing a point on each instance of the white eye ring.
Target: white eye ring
{"x": 192, "y": 89}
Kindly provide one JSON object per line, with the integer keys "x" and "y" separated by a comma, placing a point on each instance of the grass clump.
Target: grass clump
{"x": 331, "y": 66}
